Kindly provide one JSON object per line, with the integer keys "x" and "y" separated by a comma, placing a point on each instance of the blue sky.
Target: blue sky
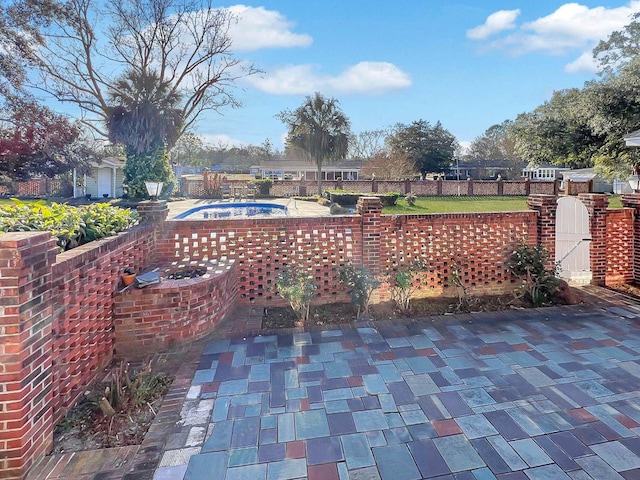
{"x": 467, "y": 63}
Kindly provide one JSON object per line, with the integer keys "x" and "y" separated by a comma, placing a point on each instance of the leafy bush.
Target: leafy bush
{"x": 538, "y": 282}
{"x": 361, "y": 284}
{"x": 263, "y": 186}
{"x": 349, "y": 199}
{"x": 298, "y": 288}
{"x": 404, "y": 282}
{"x": 70, "y": 226}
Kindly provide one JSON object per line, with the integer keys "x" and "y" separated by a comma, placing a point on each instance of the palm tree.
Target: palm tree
{"x": 145, "y": 118}
{"x": 144, "y": 112}
{"x": 319, "y": 129}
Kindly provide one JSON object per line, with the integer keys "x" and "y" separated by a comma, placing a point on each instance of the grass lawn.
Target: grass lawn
{"x": 464, "y": 204}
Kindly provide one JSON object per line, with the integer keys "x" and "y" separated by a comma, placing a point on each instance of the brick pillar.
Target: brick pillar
{"x": 370, "y": 209}
{"x": 632, "y": 200}
{"x": 500, "y": 186}
{"x": 439, "y": 185}
{"x": 567, "y": 186}
{"x": 546, "y": 206}
{"x": 407, "y": 186}
{"x": 470, "y": 186}
{"x": 374, "y": 185}
{"x": 596, "y": 204}
{"x": 153, "y": 211}
{"x": 527, "y": 187}
{"x": 26, "y": 399}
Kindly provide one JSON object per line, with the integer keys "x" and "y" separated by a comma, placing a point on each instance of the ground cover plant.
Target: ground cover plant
{"x": 70, "y": 226}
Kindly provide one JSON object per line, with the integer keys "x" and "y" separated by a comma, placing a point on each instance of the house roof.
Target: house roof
{"x": 632, "y": 139}
{"x": 110, "y": 162}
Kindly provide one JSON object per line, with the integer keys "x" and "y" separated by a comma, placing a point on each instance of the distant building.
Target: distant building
{"x": 296, "y": 170}
{"x": 485, "y": 170}
{"x": 543, "y": 173}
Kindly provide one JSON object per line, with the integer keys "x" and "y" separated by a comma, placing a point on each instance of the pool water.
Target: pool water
{"x": 234, "y": 210}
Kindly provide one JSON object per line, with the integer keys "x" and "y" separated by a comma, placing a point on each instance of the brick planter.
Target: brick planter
{"x": 155, "y": 318}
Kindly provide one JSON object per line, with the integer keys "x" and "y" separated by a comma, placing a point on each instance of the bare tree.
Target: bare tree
{"x": 389, "y": 166}
{"x": 367, "y": 144}
{"x": 185, "y": 41}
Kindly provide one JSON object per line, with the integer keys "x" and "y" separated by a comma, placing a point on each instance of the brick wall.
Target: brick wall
{"x": 480, "y": 244}
{"x": 619, "y": 244}
{"x": 157, "y": 317}
{"x": 194, "y": 188}
{"x": 26, "y": 397}
{"x": 56, "y": 326}
{"x": 83, "y": 283}
{"x": 261, "y": 247}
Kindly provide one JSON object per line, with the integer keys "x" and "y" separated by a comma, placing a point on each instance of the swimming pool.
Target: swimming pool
{"x": 234, "y": 210}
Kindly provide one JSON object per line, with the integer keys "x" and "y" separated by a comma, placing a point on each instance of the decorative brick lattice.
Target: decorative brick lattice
{"x": 619, "y": 245}
{"x": 262, "y": 247}
{"x": 480, "y": 244}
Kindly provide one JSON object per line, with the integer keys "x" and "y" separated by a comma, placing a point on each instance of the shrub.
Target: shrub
{"x": 70, "y": 226}
{"x": 361, "y": 284}
{"x": 404, "y": 282}
{"x": 350, "y": 199}
{"x": 263, "y": 186}
{"x": 298, "y": 288}
{"x": 538, "y": 282}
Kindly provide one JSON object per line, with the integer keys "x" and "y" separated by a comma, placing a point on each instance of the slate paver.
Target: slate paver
{"x": 549, "y": 394}
{"x": 394, "y": 462}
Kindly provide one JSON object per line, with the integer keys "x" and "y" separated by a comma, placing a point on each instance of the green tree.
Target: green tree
{"x": 430, "y": 148}
{"x": 319, "y": 130}
{"x": 558, "y": 132}
{"x": 621, "y": 48}
{"x": 145, "y": 119}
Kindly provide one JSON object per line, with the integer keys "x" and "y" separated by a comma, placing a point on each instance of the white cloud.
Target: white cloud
{"x": 583, "y": 64}
{"x": 219, "y": 140}
{"x": 496, "y": 22}
{"x": 259, "y": 28}
{"x": 570, "y": 28}
{"x": 362, "y": 78}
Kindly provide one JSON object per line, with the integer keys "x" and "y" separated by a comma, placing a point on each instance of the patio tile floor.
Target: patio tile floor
{"x": 555, "y": 394}
{"x": 535, "y": 394}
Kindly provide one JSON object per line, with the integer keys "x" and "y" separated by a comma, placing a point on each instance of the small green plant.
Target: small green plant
{"x": 298, "y": 288}
{"x": 404, "y": 282}
{"x": 457, "y": 280}
{"x": 410, "y": 199}
{"x": 361, "y": 284}
{"x": 538, "y": 282}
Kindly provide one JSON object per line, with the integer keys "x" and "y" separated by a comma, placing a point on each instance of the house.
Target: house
{"x": 300, "y": 170}
{"x": 104, "y": 180}
{"x": 543, "y": 173}
{"x": 485, "y": 169}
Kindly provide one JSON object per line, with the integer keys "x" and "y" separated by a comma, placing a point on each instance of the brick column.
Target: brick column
{"x": 370, "y": 209}
{"x": 26, "y": 399}
{"x": 546, "y": 206}
{"x": 596, "y": 204}
{"x": 470, "y": 186}
{"x": 153, "y": 211}
{"x": 632, "y": 200}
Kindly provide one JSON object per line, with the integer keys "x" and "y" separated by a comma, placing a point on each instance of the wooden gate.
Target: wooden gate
{"x": 573, "y": 239}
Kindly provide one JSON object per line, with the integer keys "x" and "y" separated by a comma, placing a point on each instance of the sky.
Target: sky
{"x": 466, "y": 63}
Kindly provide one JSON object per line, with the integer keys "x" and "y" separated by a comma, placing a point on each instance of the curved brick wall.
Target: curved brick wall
{"x": 155, "y": 318}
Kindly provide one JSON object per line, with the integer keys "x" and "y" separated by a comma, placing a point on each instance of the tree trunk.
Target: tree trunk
{"x": 319, "y": 163}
